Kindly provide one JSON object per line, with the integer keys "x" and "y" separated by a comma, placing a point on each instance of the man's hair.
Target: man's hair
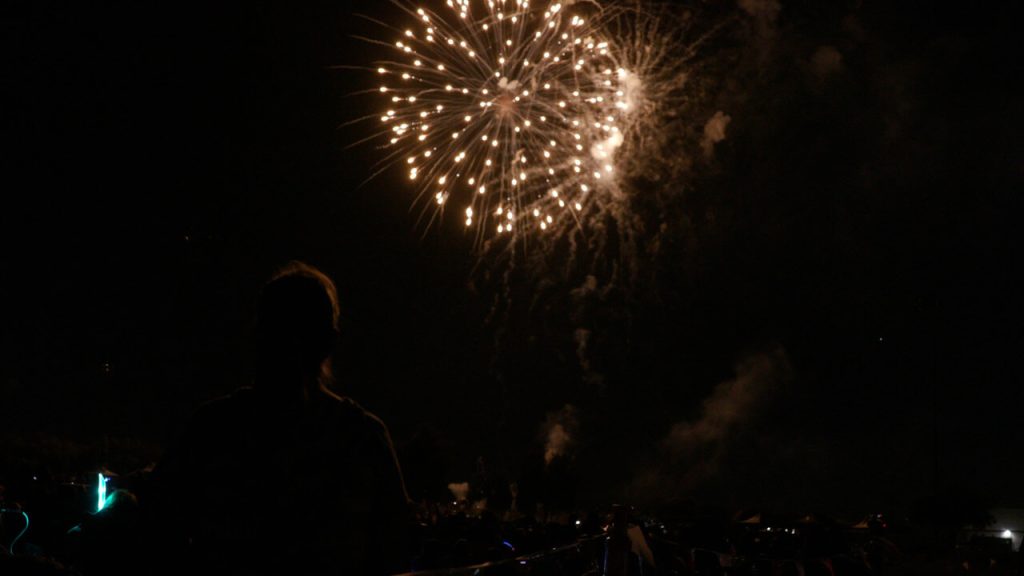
{"x": 298, "y": 310}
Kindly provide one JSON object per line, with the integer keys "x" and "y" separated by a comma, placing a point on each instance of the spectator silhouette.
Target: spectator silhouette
{"x": 286, "y": 477}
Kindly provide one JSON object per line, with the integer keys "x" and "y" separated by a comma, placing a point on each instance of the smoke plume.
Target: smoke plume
{"x": 723, "y": 439}
{"x": 827, "y": 60}
{"x": 730, "y": 405}
{"x": 764, "y": 12}
{"x": 714, "y": 132}
{"x": 560, "y": 431}
{"x": 459, "y": 490}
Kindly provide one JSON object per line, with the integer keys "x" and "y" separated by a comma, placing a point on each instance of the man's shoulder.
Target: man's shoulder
{"x": 353, "y": 414}
{"x": 346, "y": 407}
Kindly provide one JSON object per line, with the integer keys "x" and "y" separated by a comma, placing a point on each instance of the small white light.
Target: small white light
{"x": 1007, "y": 534}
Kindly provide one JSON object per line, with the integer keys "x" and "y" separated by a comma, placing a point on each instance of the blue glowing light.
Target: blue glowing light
{"x": 101, "y": 492}
{"x": 24, "y": 528}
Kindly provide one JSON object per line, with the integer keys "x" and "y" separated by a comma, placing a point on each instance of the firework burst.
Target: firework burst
{"x": 510, "y": 111}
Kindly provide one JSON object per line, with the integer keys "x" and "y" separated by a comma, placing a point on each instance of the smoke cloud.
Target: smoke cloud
{"x": 705, "y": 449}
{"x": 730, "y": 405}
{"x": 827, "y": 60}
{"x": 459, "y": 490}
{"x": 714, "y": 132}
{"x": 764, "y": 16}
{"x": 586, "y": 299}
{"x": 560, "y": 431}
{"x": 765, "y": 12}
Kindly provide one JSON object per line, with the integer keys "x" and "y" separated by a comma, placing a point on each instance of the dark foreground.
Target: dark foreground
{"x": 66, "y": 535}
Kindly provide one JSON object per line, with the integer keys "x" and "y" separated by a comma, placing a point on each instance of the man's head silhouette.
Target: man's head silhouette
{"x": 343, "y": 508}
{"x": 296, "y": 327}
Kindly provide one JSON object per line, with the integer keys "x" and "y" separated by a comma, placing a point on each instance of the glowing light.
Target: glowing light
{"x": 101, "y": 492}
{"x": 499, "y": 101}
{"x": 1007, "y": 534}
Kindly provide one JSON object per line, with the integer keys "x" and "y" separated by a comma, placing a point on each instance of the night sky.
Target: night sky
{"x": 832, "y": 316}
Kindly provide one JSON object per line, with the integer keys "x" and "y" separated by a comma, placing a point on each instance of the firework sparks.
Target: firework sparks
{"x": 510, "y": 111}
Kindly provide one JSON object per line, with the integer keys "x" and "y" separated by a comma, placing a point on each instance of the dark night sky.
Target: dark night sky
{"x": 161, "y": 159}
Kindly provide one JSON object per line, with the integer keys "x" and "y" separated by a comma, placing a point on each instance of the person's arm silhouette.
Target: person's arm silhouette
{"x": 392, "y": 518}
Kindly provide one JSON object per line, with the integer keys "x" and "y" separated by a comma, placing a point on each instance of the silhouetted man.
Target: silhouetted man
{"x": 286, "y": 477}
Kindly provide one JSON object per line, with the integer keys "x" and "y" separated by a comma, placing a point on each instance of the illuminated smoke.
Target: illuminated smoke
{"x": 558, "y": 440}
{"x": 560, "y": 432}
{"x": 730, "y": 405}
{"x": 459, "y": 490}
{"x": 765, "y": 14}
{"x": 827, "y": 60}
{"x": 714, "y": 132}
{"x": 708, "y": 447}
